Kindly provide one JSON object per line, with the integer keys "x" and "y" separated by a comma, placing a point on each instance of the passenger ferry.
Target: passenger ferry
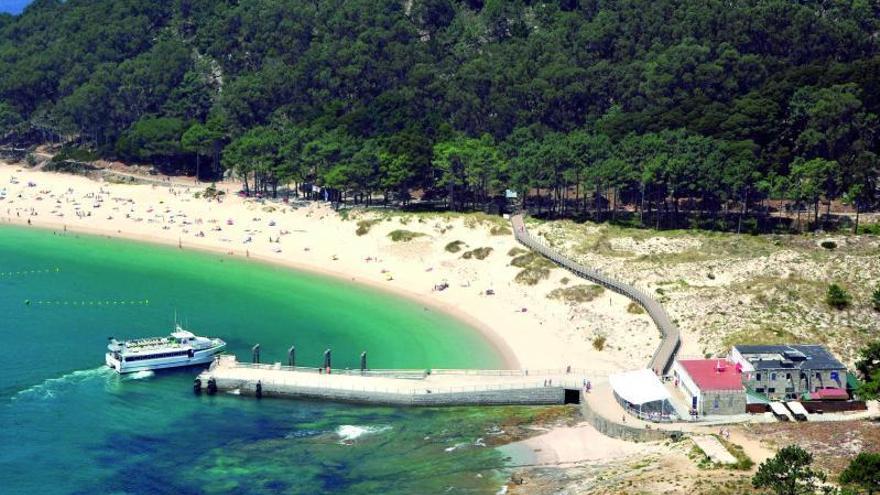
{"x": 181, "y": 348}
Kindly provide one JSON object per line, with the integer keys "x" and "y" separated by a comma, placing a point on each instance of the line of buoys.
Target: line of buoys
{"x": 20, "y": 273}
{"x": 103, "y": 302}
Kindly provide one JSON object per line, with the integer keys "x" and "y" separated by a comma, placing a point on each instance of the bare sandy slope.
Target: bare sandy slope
{"x": 530, "y": 329}
{"x": 724, "y": 289}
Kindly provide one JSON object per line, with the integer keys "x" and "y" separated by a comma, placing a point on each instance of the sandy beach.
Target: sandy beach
{"x": 529, "y": 329}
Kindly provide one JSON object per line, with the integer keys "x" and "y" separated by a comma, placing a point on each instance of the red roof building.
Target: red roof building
{"x": 711, "y": 386}
{"x": 713, "y": 374}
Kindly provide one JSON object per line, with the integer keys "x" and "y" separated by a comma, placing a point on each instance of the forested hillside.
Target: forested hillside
{"x": 705, "y": 105}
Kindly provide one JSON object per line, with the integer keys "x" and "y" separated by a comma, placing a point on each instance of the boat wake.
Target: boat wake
{"x": 350, "y": 433}
{"x": 139, "y": 375}
{"x": 52, "y": 387}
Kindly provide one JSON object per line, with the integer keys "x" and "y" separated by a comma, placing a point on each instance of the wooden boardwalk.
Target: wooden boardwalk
{"x": 396, "y": 387}
{"x": 671, "y": 340}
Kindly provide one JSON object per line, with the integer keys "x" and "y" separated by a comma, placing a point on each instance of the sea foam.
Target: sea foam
{"x": 350, "y": 433}
{"x": 140, "y": 375}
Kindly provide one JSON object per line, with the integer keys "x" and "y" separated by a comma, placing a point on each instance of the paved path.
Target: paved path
{"x": 714, "y": 449}
{"x": 408, "y": 387}
{"x": 671, "y": 340}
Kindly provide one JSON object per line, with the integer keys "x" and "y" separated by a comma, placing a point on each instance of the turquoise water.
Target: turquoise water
{"x": 70, "y": 425}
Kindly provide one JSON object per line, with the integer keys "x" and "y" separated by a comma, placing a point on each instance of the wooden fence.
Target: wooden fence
{"x": 670, "y": 337}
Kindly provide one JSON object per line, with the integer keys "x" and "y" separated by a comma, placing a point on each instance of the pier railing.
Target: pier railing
{"x": 670, "y": 336}
{"x": 298, "y": 387}
{"x": 423, "y": 373}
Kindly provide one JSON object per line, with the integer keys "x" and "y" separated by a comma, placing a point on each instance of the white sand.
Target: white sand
{"x": 550, "y": 334}
{"x": 566, "y": 445}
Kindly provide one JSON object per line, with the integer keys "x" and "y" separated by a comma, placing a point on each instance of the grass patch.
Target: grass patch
{"x": 763, "y": 335}
{"x": 527, "y": 259}
{"x": 474, "y": 220}
{"x": 635, "y": 308}
{"x": 577, "y": 293}
{"x": 364, "y": 226}
{"x": 743, "y": 461}
{"x": 500, "y": 230}
{"x": 534, "y": 268}
{"x": 454, "y": 246}
{"x": 403, "y": 235}
{"x": 531, "y": 276}
{"x": 479, "y": 253}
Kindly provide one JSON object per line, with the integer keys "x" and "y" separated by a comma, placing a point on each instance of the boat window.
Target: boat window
{"x": 156, "y": 356}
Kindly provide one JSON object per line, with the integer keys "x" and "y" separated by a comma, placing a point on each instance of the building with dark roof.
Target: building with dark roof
{"x": 711, "y": 386}
{"x": 788, "y": 371}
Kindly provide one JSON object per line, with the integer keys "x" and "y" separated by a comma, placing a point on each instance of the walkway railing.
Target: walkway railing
{"x": 665, "y": 353}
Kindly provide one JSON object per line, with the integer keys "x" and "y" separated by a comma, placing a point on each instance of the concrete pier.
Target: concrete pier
{"x": 440, "y": 387}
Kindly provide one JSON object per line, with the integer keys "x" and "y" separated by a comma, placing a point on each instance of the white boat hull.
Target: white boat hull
{"x": 203, "y": 356}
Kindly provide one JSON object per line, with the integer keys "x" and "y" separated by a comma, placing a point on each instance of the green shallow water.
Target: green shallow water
{"x": 72, "y": 426}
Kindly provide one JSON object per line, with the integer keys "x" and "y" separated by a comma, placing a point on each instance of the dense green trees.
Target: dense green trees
{"x": 677, "y": 110}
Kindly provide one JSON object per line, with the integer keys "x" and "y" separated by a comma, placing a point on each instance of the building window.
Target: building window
{"x": 788, "y": 376}
{"x": 760, "y": 390}
{"x": 773, "y": 377}
{"x": 818, "y": 376}
{"x": 715, "y": 403}
{"x": 771, "y": 390}
{"x": 758, "y": 377}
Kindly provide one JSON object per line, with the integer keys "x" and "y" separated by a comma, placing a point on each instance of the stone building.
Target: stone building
{"x": 782, "y": 372}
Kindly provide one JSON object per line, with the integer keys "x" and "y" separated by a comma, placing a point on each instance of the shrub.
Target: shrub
{"x": 75, "y": 154}
{"x": 525, "y": 260}
{"x": 534, "y": 268}
{"x": 875, "y": 298}
{"x": 532, "y": 275}
{"x": 837, "y": 297}
{"x": 479, "y": 253}
{"x": 599, "y": 342}
{"x": 635, "y": 308}
{"x": 364, "y": 226}
{"x": 828, "y": 244}
{"x": 516, "y": 251}
{"x": 871, "y": 228}
{"x": 577, "y": 293}
{"x": 863, "y": 472}
{"x": 454, "y": 246}
{"x": 564, "y": 280}
{"x": 403, "y": 235}
{"x": 790, "y": 467}
{"x": 500, "y": 230}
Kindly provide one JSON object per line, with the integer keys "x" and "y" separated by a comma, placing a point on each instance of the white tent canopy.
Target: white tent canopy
{"x": 638, "y": 387}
